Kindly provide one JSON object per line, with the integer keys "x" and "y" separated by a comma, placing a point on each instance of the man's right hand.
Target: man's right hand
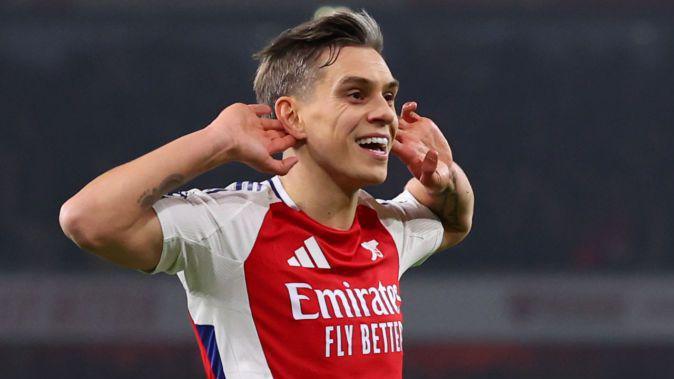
{"x": 112, "y": 215}
{"x": 241, "y": 134}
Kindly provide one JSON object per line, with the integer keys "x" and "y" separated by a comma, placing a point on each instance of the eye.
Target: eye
{"x": 356, "y": 95}
{"x": 390, "y": 97}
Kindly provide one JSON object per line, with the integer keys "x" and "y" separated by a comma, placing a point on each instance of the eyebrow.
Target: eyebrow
{"x": 394, "y": 84}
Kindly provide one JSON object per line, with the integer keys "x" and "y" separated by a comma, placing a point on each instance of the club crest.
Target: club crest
{"x": 371, "y": 246}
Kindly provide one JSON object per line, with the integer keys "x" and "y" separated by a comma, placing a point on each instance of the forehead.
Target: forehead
{"x": 353, "y": 61}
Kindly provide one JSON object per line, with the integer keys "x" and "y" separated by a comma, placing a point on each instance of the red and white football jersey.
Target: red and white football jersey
{"x": 274, "y": 294}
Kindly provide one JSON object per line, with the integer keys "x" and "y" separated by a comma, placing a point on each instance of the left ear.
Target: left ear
{"x": 285, "y": 109}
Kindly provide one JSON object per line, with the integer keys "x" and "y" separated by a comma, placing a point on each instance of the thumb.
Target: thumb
{"x": 428, "y": 167}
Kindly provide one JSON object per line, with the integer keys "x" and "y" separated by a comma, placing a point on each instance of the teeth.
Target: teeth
{"x": 377, "y": 140}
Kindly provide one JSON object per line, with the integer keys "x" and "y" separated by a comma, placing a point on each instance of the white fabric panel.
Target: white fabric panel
{"x": 416, "y": 230}
{"x": 207, "y": 238}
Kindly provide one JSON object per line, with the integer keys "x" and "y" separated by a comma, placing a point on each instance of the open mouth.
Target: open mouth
{"x": 374, "y": 144}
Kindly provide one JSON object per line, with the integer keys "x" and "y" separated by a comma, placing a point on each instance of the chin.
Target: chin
{"x": 371, "y": 178}
{"x": 355, "y": 174}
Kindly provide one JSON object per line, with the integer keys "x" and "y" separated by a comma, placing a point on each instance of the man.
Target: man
{"x": 297, "y": 276}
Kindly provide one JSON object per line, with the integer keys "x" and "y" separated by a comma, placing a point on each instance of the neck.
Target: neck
{"x": 318, "y": 195}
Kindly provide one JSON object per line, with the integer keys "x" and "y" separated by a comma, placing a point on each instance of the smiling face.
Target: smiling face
{"x": 349, "y": 120}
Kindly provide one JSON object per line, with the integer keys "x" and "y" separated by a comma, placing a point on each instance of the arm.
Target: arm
{"x": 112, "y": 216}
{"x": 454, "y": 206}
{"x": 439, "y": 183}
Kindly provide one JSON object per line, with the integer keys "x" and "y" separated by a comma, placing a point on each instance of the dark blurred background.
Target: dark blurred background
{"x": 559, "y": 111}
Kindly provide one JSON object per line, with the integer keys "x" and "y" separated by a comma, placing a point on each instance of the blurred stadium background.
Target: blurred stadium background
{"x": 560, "y": 111}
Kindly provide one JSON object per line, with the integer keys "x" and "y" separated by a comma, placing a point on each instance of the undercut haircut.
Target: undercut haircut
{"x": 289, "y": 65}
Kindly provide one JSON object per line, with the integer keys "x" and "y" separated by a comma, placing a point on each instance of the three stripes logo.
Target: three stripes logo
{"x": 302, "y": 259}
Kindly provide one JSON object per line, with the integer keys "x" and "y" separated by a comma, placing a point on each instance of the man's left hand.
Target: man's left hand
{"x": 419, "y": 143}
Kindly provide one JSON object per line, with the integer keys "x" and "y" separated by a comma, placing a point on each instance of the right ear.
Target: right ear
{"x": 285, "y": 109}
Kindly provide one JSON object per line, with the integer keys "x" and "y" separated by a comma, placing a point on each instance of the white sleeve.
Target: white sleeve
{"x": 416, "y": 230}
{"x": 206, "y": 234}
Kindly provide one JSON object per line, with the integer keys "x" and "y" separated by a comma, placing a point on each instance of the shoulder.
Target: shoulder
{"x": 229, "y": 212}
{"x": 225, "y": 202}
{"x": 385, "y": 209}
{"x": 403, "y": 207}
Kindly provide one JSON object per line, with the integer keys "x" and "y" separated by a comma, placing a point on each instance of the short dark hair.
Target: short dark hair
{"x": 288, "y": 65}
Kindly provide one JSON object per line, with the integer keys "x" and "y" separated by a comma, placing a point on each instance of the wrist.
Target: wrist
{"x": 423, "y": 194}
{"x": 219, "y": 146}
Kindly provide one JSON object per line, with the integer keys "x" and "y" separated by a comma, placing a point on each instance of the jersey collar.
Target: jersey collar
{"x": 281, "y": 193}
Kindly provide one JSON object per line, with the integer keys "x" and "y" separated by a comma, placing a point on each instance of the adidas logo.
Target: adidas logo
{"x": 302, "y": 259}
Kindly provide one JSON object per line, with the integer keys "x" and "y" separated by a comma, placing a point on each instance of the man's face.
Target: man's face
{"x": 349, "y": 118}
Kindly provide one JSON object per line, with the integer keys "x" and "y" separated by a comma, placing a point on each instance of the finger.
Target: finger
{"x": 281, "y": 167}
{"x": 406, "y": 154}
{"x": 428, "y": 167}
{"x": 400, "y": 135}
{"x": 408, "y": 106}
{"x": 274, "y": 134}
{"x": 408, "y": 109}
{"x": 280, "y": 144}
{"x": 404, "y": 136}
{"x": 260, "y": 109}
{"x": 402, "y": 124}
{"x": 271, "y": 124}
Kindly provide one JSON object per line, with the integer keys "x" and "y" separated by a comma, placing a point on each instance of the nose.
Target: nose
{"x": 381, "y": 112}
